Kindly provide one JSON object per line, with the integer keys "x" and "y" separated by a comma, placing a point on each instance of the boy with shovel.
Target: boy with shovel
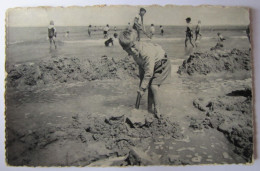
{"x": 154, "y": 67}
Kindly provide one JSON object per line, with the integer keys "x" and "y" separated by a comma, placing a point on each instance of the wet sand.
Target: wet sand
{"x": 51, "y": 125}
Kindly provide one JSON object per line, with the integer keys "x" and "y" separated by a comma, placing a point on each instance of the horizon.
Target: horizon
{"x": 169, "y": 15}
{"x": 242, "y": 25}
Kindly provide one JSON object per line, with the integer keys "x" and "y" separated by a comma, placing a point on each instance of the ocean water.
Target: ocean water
{"x": 28, "y": 44}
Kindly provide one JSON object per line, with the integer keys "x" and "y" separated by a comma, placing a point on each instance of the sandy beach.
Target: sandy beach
{"x": 74, "y": 105}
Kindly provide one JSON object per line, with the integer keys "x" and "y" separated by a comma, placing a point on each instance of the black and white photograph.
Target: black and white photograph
{"x": 106, "y": 86}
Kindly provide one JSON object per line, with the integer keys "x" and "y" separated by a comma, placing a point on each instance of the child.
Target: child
{"x": 106, "y": 29}
{"x": 139, "y": 23}
{"x": 152, "y": 30}
{"x": 128, "y": 26}
{"x": 189, "y": 34}
{"x": 67, "y": 35}
{"x": 89, "y": 30}
{"x": 220, "y": 37}
{"x": 154, "y": 67}
{"x": 162, "y": 31}
{"x": 197, "y": 30}
{"x": 115, "y": 28}
{"x": 111, "y": 40}
{"x": 52, "y": 34}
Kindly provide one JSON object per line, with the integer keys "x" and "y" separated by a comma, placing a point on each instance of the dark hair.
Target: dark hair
{"x": 107, "y": 25}
{"x": 160, "y": 25}
{"x": 188, "y": 19}
{"x": 151, "y": 24}
{"x": 115, "y": 35}
{"x": 89, "y": 26}
{"x": 142, "y": 9}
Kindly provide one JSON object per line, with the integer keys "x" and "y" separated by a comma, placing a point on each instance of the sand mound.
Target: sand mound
{"x": 231, "y": 115}
{"x": 96, "y": 141}
{"x": 216, "y": 61}
{"x": 63, "y": 69}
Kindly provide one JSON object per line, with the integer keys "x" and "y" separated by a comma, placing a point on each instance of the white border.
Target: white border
{"x": 255, "y": 12}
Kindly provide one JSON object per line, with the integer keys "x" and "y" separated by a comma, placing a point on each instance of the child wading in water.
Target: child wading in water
{"x": 154, "y": 67}
{"x": 105, "y": 31}
{"x": 152, "y": 30}
{"x": 89, "y": 30}
{"x": 189, "y": 34}
{"x": 197, "y": 30}
{"x": 52, "y": 34}
{"x": 162, "y": 31}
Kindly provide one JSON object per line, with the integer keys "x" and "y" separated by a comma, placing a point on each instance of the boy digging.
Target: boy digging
{"x": 154, "y": 67}
{"x": 139, "y": 23}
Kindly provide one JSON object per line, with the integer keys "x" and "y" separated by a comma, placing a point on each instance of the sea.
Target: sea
{"x": 29, "y": 44}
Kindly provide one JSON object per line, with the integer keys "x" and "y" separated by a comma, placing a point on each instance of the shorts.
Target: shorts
{"x": 162, "y": 72}
{"x": 50, "y": 37}
{"x": 105, "y": 32}
{"x": 189, "y": 35}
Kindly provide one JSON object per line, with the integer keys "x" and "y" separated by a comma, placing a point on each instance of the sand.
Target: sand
{"x": 230, "y": 114}
{"x": 216, "y": 60}
{"x": 69, "y": 111}
{"x": 64, "y": 69}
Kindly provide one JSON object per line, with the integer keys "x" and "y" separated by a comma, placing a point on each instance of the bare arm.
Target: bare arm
{"x": 148, "y": 68}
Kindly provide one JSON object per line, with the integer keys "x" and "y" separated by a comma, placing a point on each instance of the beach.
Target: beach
{"x": 74, "y": 105}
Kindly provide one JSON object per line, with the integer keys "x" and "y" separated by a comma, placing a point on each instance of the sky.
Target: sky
{"x": 121, "y": 15}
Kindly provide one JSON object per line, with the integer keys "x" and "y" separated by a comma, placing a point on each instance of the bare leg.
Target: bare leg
{"x": 186, "y": 39}
{"x": 150, "y": 100}
{"x": 50, "y": 39}
{"x": 155, "y": 89}
{"x": 54, "y": 43}
{"x": 191, "y": 42}
{"x": 138, "y": 35}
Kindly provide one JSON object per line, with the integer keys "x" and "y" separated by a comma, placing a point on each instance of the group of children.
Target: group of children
{"x": 154, "y": 65}
{"x": 189, "y": 32}
{"x": 105, "y": 30}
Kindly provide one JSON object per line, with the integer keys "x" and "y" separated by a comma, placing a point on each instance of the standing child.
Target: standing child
{"x": 152, "y": 30}
{"x": 189, "y": 34}
{"x": 128, "y": 26}
{"x": 89, "y": 30}
{"x": 162, "y": 31}
{"x": 52, "y": 34}
{"x": 154, "y": 67}
{"x": 67, "y": 34}
{"x": 106, "y": 29}
{"x": 139, "y": 23}
{"x": 197, "y": 30}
